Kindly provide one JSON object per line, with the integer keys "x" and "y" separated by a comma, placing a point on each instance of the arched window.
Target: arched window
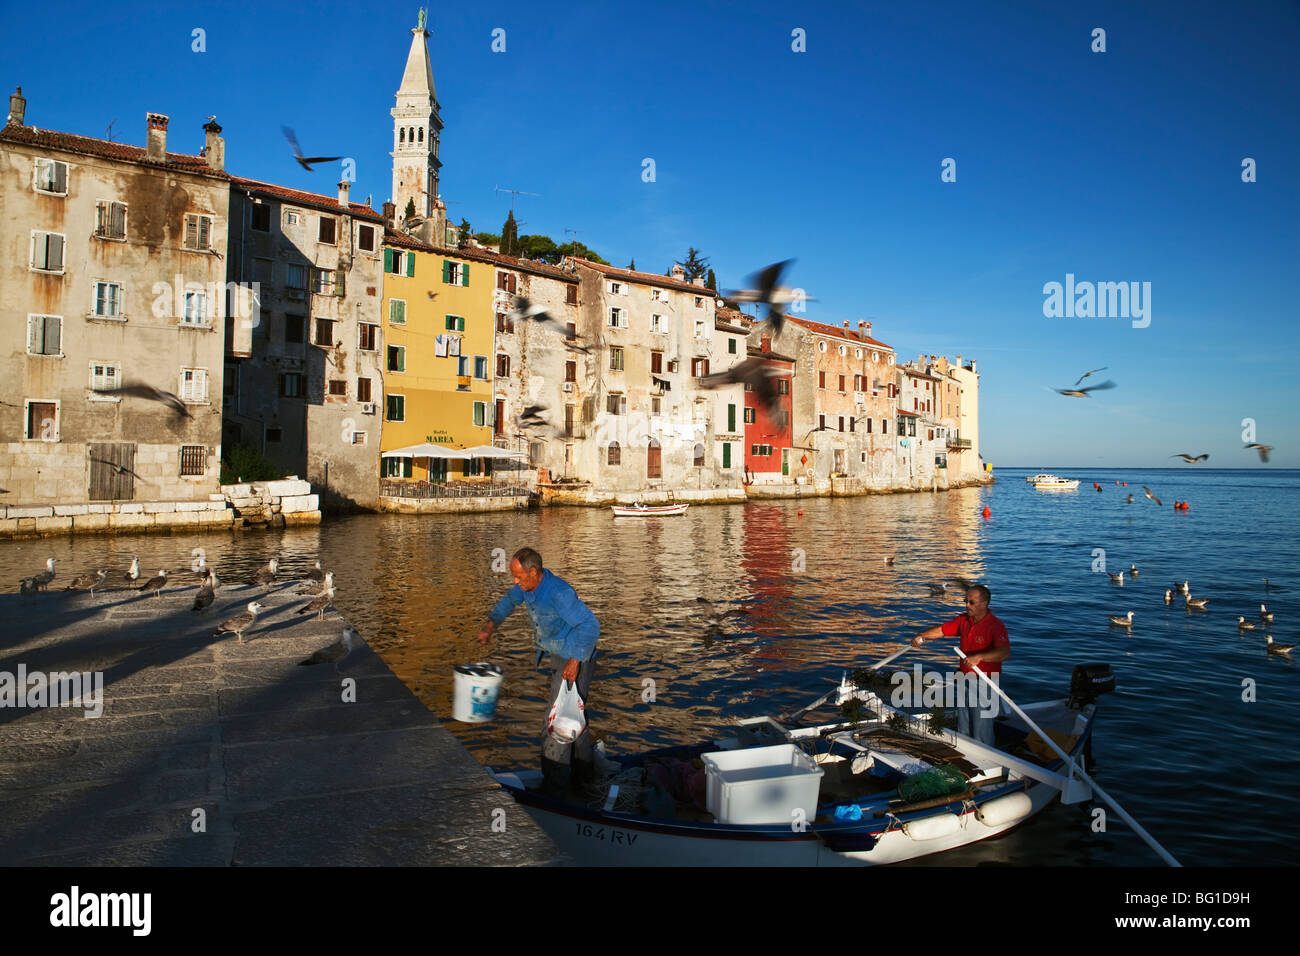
{"x": 421, "y": 134}
{"x": 654, "y": 460}
{"x": 401, "y": 134}
{"x": 699, "y": 455}
{"x": 615, "y": 453}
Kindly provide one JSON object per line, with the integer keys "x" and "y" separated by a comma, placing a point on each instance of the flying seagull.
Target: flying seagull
{"x": 531, "y": 417}
{"x": 117, "y": 468}
{"x": 155, "y": 583}
{"x": 149, "y": 393}
{"x": 525, "y": 310}
{"x": 1086, "y": 374}
{"x": 88, "y": 582}
{"x": 305, "y": 162}
{"x": 768, "y": 292}
{"x": 1083, "y": 392}
{"x": 1147, "y": 491}
{"x": 1262, "y": 449}
{"x": 239, "y": 624}
{"x": 754, "y": 372}
{"x": 341, "y": 654}
{"x": 1189, "y": 459}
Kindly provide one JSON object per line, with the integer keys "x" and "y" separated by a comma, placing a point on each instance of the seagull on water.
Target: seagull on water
{"x": 1245, "y": 625}
{"x": 341, "y": 654}
{"x": 1121, "y": 621}
{"x": 938, "y": 590}
{"x": 239, "y": 624}
{"x": 1128, "y": 500}
{"x": 889, "y": 561}
{"x": 1117, "y": 578}
{"x": 1132, "y": 570}
{"x": 1265, "y": 615}
{"x": 155, "y": 584}
{"x": 43, "y": 579}
{"x": 1169, "y": 596}
{"x": 265, "y": 575}
{"x": 1182, "y": 588}
{"x": 319, "y": 605}
{"x": 1197, "y": 604}
{"x": 207, "y": 592}
{"x": 88, "y": 581}
{"x": 1279, "y": 648}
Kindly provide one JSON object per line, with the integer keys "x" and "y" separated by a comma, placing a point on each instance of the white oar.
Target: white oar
{"x": 1137, "y": 827}
{"x": 827, "y": 696}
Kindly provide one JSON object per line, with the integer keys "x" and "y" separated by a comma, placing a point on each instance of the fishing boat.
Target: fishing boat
{"x": 640, "y": 510}
{"x": 879, "y": 788}
{"x": 1056, "y": 483}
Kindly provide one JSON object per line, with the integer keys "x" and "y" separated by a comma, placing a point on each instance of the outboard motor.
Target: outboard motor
{"x": 1088, "y": 682}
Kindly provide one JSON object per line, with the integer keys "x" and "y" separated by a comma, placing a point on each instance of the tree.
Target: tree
{"x": 542, "y": 248}
{"x": 465, "y": 231}
{"x": 711, "y": 282}
{"x": 409, "y": 213}
{"x": 510, "y": 236}
{"x": 488, "y": 239}
{"x": 694, "y": 264}
{"x": 631, "y": 266}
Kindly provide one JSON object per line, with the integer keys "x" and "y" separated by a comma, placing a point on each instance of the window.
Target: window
{"x": 535, "y": 453}
{"x": 656, "y": 295}
{"x": 911, "y": 428}
{"x": 366, "y": 238}
{"x": 395, "y": 410}
{"x": 569, "y": 414}
{"x": 616, "y": 359}
{"x": 654, "y": 406}
{"x": 701, "y": 332}
{"x": 699, "y": 367}
{"x": 484, "y": 414}
{"x": 821, "y": 346}
{"x": 328, "y": 226}
{"x": 505, "y": 324}
{"x": 358, "y": 438}
{"x": 230, "y": 384}
{"x": 570, "y": 331}
{"x": 455, "y": 273}
{"x": 821, "y": 379}
{"x": 507, "y": 282}
{"x": 657, "y": 362}
{"x": 699, "y": 454}
{"x": 194, "y": 385}
{"x": 615, "y": 288}
{"x": 194, "y": 461}
{"x": 399, "y": 263}
{"x": 363, "y": 390}
{"x": 760, "y": 451}
{"x": 51, "y": 177}
{"x": 615, "y": 453}
{"x": 274, "y": 436}
{"x": 110, "y": 220}
{"x": 44, "y": 335}
{"x": 291, "y": 385}
{"x": 292, "y": 218}
{"x": 731, "y": 346}
{"x": 841, "y": 383}
{"x": 397, "y": 358}
{"x": 852, "y": 421}
{"x": 108, "y": 300}
{"x": 338, "y": 388}
{"x": 196, "y": 308}
{"x": 749, "y": 386}
{"x": 821, "y": 422}
{"x": 616, "y": 404}
{"x": 841, "y": 423}
{"x": 198, "y": 232}
{"x": 868, "y": 426}
{"x": 395, "y": 467}
{"x": 503, "y": 366}
{"x": 455, "y": 323}
{"x": 462, "y": 364}
{"x": 699, "y": 302}
{"x": 843, "y": 350}
{"x": 480, "y": 366}
{"x": 104, "y": 377}
{"x": 42, "y": 421}
{"x": 657, "y": 323}
{"x": 326, "y": 281}
{"x": 570, "y": 371}
{"x": 731, "y": 418}
{"x": 295, "y": 329}
{"x": 571, "y": 295}
{"x": 750, "y": 415}
{"x": 783, "y": 386}
{"x": 367, "y": 336}
{"x": 396, "y": 311}
{"x": 726, "y": 454}
{"x": 47, "y": 252}
{"x": 875, "y": 356}
{"x": 261, "y": 219}
{"x": 324, "y": 333}
{"x": 295, "y": 276}
{"x": 884, "y": 426}
{"x": 859, "y": 382}
{"x": 617, "y": 319}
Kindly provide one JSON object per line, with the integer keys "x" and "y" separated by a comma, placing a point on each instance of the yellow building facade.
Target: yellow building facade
{"x": 439, "y": 329}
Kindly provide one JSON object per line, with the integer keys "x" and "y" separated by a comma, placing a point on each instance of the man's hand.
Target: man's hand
{"x": 484, "y": 634}
{"x": 917, "y": 641}
{"x": 570, "y": 671}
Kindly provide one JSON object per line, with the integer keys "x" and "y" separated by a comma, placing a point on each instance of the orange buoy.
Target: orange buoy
{"x": 1186, "y": 506}
{"x": 1126, "y": 484}
{"x": 987, "y": 512}
{"x": 1117, "y": 482}
{"x": 800, "y": 512}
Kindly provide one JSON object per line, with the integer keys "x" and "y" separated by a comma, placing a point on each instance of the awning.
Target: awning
{"x": 491, "y": 451}
{"x": 426, "y": 451}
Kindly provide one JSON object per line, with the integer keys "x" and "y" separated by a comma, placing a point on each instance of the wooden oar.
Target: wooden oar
{"x": 1074, "y": 768}
{"x": 829, "y": 694}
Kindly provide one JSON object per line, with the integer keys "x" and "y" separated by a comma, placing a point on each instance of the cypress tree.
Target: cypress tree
{"x": 510, "y": 236}
{"x": 409, "y": 212}
{"x": 711, "y": 282}
{"x": 631, "y": 266}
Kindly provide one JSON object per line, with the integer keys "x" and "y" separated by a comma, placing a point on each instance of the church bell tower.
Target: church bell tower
{"x": 417, "y": 129}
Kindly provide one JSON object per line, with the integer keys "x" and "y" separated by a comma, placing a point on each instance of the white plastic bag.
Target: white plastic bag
{"x": 567, "y": 719}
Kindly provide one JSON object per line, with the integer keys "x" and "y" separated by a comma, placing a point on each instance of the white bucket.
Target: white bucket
{"x": 477, "y": 686}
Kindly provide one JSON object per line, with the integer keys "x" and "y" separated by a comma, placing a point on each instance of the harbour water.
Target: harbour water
{"x": 1205, "y": 770}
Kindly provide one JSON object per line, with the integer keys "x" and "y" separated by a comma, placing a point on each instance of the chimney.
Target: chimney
{"x": 846, "y": 325}
{"x": 972, "y": 365}
{"x": 17, "y": 108}
{"x": 765, "y": 344}
{"x": 862, "y": 329}
{"x": 390, "y": 210}
{"x": 343, "y": 194}
{"x": 868, "y": 330}
{"x": 959, "y": 360}
{"x": 214, "y": 148}
{"x": 157, "y": 149}
{"x": 699, "y": 281}
{"x": 679, "y": 273}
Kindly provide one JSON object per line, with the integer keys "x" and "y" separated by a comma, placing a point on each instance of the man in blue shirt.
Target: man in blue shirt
{"x": 565, "y": 629}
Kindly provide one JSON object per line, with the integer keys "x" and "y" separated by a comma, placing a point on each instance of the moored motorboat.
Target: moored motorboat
{"x": 640, "y": 510}
{"x": 1055, "y": 483}
{"x": 1041, "y": 476}
{"x": 876, "y": 790}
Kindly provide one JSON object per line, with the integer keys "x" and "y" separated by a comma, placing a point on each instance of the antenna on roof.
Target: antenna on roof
{"x": 513, "y": 193}
{"x": 575, "y": 241}
{"x": 109, "y": 131}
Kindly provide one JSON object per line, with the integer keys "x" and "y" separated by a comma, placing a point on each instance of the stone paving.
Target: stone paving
{"x": 284, "y": 770}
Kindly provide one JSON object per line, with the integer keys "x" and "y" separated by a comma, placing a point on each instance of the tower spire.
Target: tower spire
{"x": 417, "y": 129}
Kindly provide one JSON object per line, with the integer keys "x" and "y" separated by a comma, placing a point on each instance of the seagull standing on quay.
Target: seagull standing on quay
{"x": 341, "y": 654}
{"x": 155, "y": 584}
{"x": 239, "y": 624}
{"x": 326, "y": 585}
{"x": 207, "y": 592}
{"x": 319, "y": 605}
{"x": 265, "y": 575}
{"x": 315, "y": 574}
{"x": 88, "y": 582}
{"x": 133, "y": 572}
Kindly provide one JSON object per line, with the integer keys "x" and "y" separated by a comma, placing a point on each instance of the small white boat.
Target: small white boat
{"x": 640, "y": 510}
{"x": 844, "y": 793}
{"x": 1056, "y": 483}
{"x": 1041, "y": 476}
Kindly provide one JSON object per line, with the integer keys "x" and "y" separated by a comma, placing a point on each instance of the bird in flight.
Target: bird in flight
{"x": 754, "y": 372}
{"x": 117, "y": 469}
{"x": 769, "y": 292}
{"x": 148, "y": 392}
{"x": 1262, "y": 449}
{"x": 1189, "y": 459}
{"x": 1086, "y": 374}
{"x": 1083, "y": 392}
{"x": 526, "y": 310}
{"x": 531, "y": 417}
{"x": 1147, "y": 491}
{"x": 305, "y": 161}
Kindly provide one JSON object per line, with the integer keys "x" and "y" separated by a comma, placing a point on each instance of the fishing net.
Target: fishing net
{"x": 935, "y": 782}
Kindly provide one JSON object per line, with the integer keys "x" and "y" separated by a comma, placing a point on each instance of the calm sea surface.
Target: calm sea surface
{"x": 1207, "y": 773}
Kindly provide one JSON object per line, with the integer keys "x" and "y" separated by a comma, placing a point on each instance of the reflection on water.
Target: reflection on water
{"x": 819, "y": 600}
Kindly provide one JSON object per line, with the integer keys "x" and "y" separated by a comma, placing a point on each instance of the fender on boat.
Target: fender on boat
{"x": 1003, "y": 810}
{"x": 931, "y": 828}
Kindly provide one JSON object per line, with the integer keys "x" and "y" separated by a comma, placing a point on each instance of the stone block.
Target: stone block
{"x": 71, "y": 510}
{"x": 218, "y": 497}
{"x": 159, "y": 507}
{"x": 8, "y": 527}
{"x": 130, "y": 508}
{"x": 26, "y": 525}
{"x": 71, "y": 490}
{"x": 53, "y": 525}
{"x": 283, "y": 488}
{"x": 99, "y": 509}
{"x": 191, "y": 506}
{"x": 216, "y": 517}
{"x": 46, "y": 511}
{"x": 173, "y": 519}
{"x": 248, "y": 501}
{"x": 300, "y": 503}
{"x": 218, "y": 505}
{"x": 91, "y": 522}
{"x": 47, "y": 489}
{"x": 299, "y": 518}
{"x": 237, "y": 491}
{"x": 132, "y": 520}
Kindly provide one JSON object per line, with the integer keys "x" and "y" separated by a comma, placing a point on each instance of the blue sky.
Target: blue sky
{"x": 1115, "y": 166}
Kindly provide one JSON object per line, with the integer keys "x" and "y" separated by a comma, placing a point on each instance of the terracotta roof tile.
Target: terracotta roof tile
{"x": 837, "y": 332}
{"x": 647, "y": 278}
{"x": 330, "y": 203}
{"x": 89, "y": 146}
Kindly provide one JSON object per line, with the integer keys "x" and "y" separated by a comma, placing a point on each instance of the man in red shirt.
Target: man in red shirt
{"x": 985, "y": 643}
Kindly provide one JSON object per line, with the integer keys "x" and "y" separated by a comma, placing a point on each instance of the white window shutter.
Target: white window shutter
{"x": 55, "y": 255}
{"x": 205, "y": 229}
{"x": 35, "y": 333}
{"x": 60, "y": 177}
{"x": 53, "y": 334}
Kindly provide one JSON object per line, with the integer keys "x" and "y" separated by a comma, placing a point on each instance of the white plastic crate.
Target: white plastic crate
{"x": 761, "y": 784}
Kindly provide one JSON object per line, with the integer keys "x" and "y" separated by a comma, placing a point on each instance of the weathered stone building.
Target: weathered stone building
{"x": 918, "y": 451}
{"x": 304, "y": 377}
{"x": 112, "y": 266}
{"x": 769, "y": 433}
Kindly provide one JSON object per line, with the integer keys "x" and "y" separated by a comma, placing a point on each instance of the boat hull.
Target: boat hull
{"x": 650, "y": 512}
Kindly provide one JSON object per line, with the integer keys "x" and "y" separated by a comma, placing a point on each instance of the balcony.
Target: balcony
{"x": 462, "y": 383}
{"x": 958, "y": 444}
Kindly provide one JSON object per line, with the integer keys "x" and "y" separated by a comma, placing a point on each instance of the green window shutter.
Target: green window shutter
{"x": 726, "y": 454}
{"x": 388, "y": 260}
{"x": 731, "y": 418}
{"x": 460, "y": 323}
{"x": 406, "y": 467}
{"x": 478, "y": 413}
{"x": 410, "y": 264}
{"x": 451, "y": 323}
{"x": 446, "y": 271}
{"x": 464, "y": 274}
{"x": 401, "y": 360}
